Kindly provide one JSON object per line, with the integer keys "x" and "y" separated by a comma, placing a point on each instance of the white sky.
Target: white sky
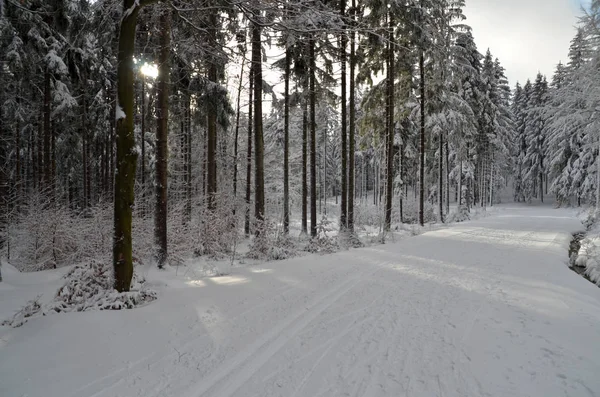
{"x": 526, "y": 35}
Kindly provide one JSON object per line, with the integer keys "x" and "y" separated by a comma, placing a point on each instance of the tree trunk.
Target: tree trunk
{"x": 249, "y": 154}
{"x": 126, "y": 154}
{"x": 286, "y": 145}
{"x": 422, "y": 139}
{"x": 313, "y": 131}
{"x": 343, "y": 45}
{"x": 441, "y": 178}
{"x": 460, "y": 195}
{"x": 143, "y": 145}
{"x": 447, "y": 176}
{"x": 188, "y": 156}
{"x": 47, "y": 131}
{"x": 390, "y": 128}
{"x": 351, "y": 126}
{"x": 259, "y": 175}
{"x": 305, "y": 157}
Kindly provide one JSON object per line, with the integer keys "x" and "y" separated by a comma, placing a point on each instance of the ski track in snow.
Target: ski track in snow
{"x": 484, "y": 308}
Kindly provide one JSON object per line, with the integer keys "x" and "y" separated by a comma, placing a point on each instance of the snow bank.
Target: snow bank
{"x": 589, "y": 250}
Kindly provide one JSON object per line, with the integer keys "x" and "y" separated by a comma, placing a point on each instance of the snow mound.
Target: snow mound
{"x": 87, "y": 287}
{"x": 588, "y": 256}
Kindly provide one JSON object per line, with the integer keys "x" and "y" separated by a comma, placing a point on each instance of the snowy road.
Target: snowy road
{"x": 486, "y": 308}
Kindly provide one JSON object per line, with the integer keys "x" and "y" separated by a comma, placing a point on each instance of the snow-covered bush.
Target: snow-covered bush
{"x": 410, "y": 213}
{"x": 217, "y": 233}
{"x": 271, "y": 243}
{"x": 461, "y": 214}
{"x": 45, "y": 236}
{"x": 324, "y": 242}
{"x": 87, "y": 287}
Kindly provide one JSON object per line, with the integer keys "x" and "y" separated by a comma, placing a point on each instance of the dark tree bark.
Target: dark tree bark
{"x": 47, "y": 132}
{"x": 441, "y": 178}
{"x": 352, "y": 126}
{"x": 422, "y": 139}
{"x": 447, "y": 153}
{"x": 126, "y": 156}
{"x": 305, "y": 157}
{"x": 162, "y": 134}
{"x": 390, "y": 127}
{"x": 259, "y": 172}
{"x": 286, "y": 145}
{"x": 343, "y": 45}
{"x": 313, "y": 138}
{"x": 249, "y": 154}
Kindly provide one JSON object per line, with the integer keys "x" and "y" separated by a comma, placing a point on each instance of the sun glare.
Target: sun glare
{"x": 149, "y": 70}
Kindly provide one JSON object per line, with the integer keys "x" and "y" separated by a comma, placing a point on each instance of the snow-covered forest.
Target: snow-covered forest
{"x": 257, "y": 118}
{"x": 423, "y": 210}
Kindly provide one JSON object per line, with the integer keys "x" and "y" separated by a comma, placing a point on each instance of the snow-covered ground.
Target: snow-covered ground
{"x": 482, "y": 308}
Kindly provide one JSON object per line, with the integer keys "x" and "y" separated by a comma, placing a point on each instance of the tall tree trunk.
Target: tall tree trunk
{"x": 143, "y": 144}
{"x": 313, "y": 136}
{"x": 441, "y": 178}
{"x": 162, "y": 134}
{"x": 126, "y": 155}
{"x": 422, "y": 138}
{"x": 447, "y": 153}
{"x": 249, "y": 154}
{"x": 305, "y": 156}
{"x": 259, "y": 172}
{"x": 460, "y": 179}
{"x": 286, "y": 144}
{"x": 84, "y": 154}
{"x": 47, "y": 132}
{"x": 390, "y": 127}
{"x": 351, "y": 126}
{"x": 343, "y": 45}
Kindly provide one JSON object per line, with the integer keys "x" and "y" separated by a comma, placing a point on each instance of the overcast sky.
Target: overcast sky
{"x": 526, "y": 35}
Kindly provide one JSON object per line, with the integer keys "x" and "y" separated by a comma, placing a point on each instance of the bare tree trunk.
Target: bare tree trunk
{"x": 47, "y": 132}
{"x": 259, "y": 172}
{"x": 305, "y": 157}
{"x": 447, "y": 176}
{"x": 286, "y": 145}
{"x": 143, "y": 145}
{"x": 422, "y": 139}
{"x": 460, "y": 178}
{"x": 343, "y": 45}
{"x": 351, "y": 126}
{"x": 162, "y": 134}
{"x": 390, "y": 127}
{"x": 249, "y": 154}
{"x": 126, "y": 155}
{"x": 441, "y": 178}
{"x": 313, "y": 149}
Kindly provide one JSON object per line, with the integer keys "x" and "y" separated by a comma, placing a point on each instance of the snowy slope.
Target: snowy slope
{"x": 487, "y": 307}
